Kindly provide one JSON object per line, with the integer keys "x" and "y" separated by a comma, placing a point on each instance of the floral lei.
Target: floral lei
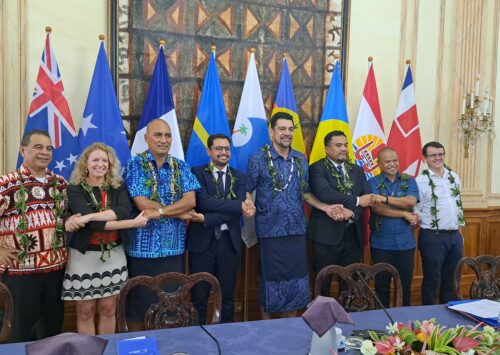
{"x": 277, "y": 186}
{"x": 106, "y": 245}
{"x": 455, "y": 192}
{"x": 344, "y": 184}
{"x": 152, "y": 178}
{"x": 27, "y": 242}
{"x": 382, "y": 188}
{"x": 231, "y": 194}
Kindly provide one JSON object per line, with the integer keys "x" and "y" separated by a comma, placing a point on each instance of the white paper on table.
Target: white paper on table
{"x": 136, "y": 338}
{"x": 480, "y": 308}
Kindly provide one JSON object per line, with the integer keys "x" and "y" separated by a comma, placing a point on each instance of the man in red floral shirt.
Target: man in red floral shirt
{"x": 32, "y": 244}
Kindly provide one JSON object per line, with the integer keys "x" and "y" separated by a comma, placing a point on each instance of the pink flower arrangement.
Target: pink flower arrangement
{"x": 427, "y": 337}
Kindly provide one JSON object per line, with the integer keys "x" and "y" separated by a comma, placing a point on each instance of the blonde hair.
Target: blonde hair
{"x": 113, "y": 176}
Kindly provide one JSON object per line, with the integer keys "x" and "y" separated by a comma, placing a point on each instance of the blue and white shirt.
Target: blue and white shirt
{"x": 165, "y": 236}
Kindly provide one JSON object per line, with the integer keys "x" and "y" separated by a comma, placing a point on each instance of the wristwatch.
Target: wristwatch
{"x": 160, "y": 211}
{"x": 386, "y": 200}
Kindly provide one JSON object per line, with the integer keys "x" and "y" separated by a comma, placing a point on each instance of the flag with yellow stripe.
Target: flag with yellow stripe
{"x": 334, "y": 118}
{"x": 211, "y": 117}
{"x": 285, "y": 102}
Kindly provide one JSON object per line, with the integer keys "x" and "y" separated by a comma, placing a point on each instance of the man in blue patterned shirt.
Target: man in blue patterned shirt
{"x": 164, "y": 188}
{"x": 391, "y": 223}
{"x": 279, "y": 175}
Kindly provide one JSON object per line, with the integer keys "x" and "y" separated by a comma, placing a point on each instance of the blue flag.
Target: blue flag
{"x": 49, "y": 111}
{"x": 159, "y": 104}
{"x": 250, "y": 128}
{"x": 211, "y": 117}
{"x": 102, "y": 121}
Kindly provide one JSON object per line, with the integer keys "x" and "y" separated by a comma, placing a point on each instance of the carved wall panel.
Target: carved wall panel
{"x": 309, "y": 31}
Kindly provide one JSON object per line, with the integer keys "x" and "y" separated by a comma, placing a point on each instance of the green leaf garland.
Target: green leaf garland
{"x": 27, "y": 242}
{"x": 455, "y": 192}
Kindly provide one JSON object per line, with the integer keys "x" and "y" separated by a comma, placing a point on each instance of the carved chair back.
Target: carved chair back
{"x": 487, "y": 283}
{"x": 8, "y": 309}
{"x": 355, "y": 297}
{"x": 174, "y": 309}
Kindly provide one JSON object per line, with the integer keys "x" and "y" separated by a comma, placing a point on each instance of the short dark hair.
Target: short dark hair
{"x": 212, "y": 137}
{"x": 280, "y": 116}
{"x": 329, "y": 136}
{"x": 432, "y": 144}
{"x": 27, "y": 137}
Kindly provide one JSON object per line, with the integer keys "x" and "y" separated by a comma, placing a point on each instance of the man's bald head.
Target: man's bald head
{"x": 385, "y": 150}
{"x": 158, "y": 137}
{"x": 155, "y": 123}
{"x": 388, "y": 162}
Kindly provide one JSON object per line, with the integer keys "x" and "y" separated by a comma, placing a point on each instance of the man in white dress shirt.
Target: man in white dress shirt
{"x": 441, "y": 244}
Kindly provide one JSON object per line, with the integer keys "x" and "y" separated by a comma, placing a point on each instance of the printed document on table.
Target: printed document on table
{"x": 480, "y": 308}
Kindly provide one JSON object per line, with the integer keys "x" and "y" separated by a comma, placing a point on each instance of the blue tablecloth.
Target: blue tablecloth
{"x": 279, "y": 336}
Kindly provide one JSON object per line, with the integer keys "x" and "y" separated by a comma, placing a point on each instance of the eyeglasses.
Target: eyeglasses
{"x": 433, "y": 156}
{"x": 220, "y": 149}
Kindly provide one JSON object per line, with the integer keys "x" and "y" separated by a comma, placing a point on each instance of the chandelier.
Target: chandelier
{"x": 476, "y": 119}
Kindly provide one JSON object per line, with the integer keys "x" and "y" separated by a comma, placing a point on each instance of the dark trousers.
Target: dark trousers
{"x": 440, "y": 254}
{"x": 347, "y": 252}
{"x": 38, "y": 308}
{"x": 221, "y": 260}
{"x": 402, "y": 260}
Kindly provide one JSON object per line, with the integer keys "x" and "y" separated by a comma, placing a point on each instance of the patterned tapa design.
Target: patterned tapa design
{"x": 309, "y": 31}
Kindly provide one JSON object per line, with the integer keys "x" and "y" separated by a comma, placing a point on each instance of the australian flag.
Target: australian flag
{"x": 102, "y": 121}
{"x": 49, "y": 111}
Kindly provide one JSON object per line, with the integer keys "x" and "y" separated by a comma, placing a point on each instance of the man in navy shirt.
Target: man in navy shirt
{"x": 392, "y": 223}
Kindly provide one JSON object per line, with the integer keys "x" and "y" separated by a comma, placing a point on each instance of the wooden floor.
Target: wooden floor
{"x": 481, "y": 237}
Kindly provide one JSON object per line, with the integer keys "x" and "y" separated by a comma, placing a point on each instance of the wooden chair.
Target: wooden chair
{"x": 174, "y": 309}
{"x": 8, "y": 309}
{"x": 357, "y": 297}
{"x": 487, "y": 282}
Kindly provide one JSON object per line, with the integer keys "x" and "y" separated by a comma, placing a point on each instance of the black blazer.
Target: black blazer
{"x": 216, "y": 211}
{"x": 323, "y": 229}
{"x": 80, "y": 202}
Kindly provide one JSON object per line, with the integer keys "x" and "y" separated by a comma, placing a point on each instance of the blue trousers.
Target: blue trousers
{"x": 440, "y": 252}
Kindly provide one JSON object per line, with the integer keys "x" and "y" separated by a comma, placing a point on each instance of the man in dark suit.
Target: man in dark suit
{"x": 334, "y": 180}
{"x": 214, "y": 234}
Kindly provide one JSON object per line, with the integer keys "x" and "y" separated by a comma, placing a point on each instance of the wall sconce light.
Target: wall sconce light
{"x": 476, "y": 118}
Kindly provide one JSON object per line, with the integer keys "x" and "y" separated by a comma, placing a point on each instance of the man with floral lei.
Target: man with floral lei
{"x": 164, "y": 188}
{"x": 392, "y": 222}
{"x": 32, "y": 241}
{"x": 336, "y": 181}
{"x": 279, "y": 176}
{"x": 440, "y": 242}
{"x": 214, "y": 232}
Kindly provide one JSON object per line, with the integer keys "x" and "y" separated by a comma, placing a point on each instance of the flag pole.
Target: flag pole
{"x": 101, "y": 37}
{"x": 48, "y": 29}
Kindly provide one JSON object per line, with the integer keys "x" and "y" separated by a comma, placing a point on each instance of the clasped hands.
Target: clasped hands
{"x": 247, "y": 209}
{"x": 338, "y": 212}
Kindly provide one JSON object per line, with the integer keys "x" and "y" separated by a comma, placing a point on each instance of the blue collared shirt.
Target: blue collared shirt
{"x": 165, "y": 236}
{"x": 393, "y": 233}
{"x": 279, "y": 213}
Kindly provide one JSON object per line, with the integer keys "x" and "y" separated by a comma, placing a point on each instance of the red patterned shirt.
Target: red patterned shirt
{"x": 40, "y": 218}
